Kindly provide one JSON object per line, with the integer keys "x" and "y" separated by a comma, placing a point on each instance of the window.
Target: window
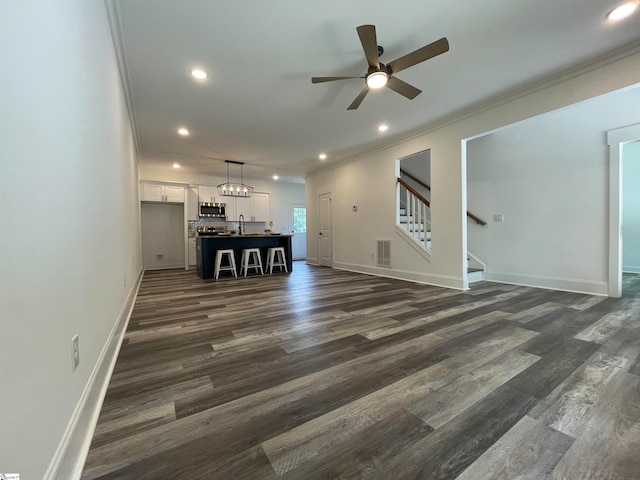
{"x": 299, "y": 220}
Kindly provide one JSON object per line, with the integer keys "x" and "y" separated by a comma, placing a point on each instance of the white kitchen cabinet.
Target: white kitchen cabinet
{"x": 208, "y": 194}
{"x": 192, "y": 203}
{"x": 160, "y": 192}
{"x": 243, "y": 206}
{"x": 260, "y": 207}
{"x": 173, "y": 194}
{"x": 193, "y": 260}
{"x": 254, "y": 208}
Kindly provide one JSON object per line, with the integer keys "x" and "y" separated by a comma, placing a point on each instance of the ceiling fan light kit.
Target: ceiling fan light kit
{"x": 229, "y": 189}
{"x": 377, "y": 79}
{"x": 380, "y": 75}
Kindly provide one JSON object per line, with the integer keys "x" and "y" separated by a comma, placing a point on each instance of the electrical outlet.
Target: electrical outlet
{"x": 372, "y": 256}
{"x": 75, "y": 345}
{"x": 498, "y": 217}
{"x": 354, "y": 208}
{"x": 159, "y": 256}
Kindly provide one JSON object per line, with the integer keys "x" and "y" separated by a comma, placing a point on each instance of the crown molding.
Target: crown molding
{"x": 492, "y": 102}
{"x": 115, "y": 25}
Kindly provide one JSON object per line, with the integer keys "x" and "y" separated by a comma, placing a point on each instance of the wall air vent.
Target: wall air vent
{"x": 384, "y": 253}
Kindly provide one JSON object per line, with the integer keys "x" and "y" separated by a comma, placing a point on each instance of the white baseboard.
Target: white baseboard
{"x": 630, "y": 269}
{"x": 312, "y": 261}
{"x": 553, "y": 283}
{"x": 165, "y": 267}
{"x": 73, "y": 449}
{"x": 424, "y": 278}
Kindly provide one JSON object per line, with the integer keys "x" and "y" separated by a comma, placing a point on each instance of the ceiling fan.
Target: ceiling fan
{"x": 381, "y": 75}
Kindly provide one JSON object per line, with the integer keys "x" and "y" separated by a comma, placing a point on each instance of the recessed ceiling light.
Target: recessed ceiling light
{"x": 183, "y": 131}
{"x": 276, "y": 177}
{"x": 382, "y": 127}
{"x": 322, "y": 156}
{"x": 199, "y": 73}
{"x": 622, "y": 11}
{"x": 176, "y": 165}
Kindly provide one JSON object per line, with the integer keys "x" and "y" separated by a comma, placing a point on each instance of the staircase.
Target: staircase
{"x": 414, "y": 217}
{"x": 475, "y": 269}
{"x": 419, "y": 230}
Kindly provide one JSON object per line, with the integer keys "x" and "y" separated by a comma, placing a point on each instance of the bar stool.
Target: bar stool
{"x": 230, "y": 260}
{"x": 251, "y": 259}
{"x": 276, "y": 258}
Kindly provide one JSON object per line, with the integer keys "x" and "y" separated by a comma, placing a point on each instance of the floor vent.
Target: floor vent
{"x": 384, "y": 253}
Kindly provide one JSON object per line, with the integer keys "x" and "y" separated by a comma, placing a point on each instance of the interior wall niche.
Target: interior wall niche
{"x": 414, "y": 196}
{"x": 162, "y": 235}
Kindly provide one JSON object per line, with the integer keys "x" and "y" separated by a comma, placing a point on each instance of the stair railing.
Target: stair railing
{"x": 418, "y": 213}
{"x": 473, "y": 217}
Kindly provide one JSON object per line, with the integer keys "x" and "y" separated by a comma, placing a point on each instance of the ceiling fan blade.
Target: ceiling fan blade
{"x": 425, "y": 53}
{"x": 356, "y": 103}
{"x": 367, "y": 34}
{"x": 403, "y": 88}
{"x": 329, "y": 79}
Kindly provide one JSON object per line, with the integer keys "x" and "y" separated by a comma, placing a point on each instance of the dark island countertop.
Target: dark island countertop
{"x": 207, "y": 245}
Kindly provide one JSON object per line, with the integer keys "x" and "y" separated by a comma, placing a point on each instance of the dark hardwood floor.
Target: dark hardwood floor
{"x": 327, "y": 374}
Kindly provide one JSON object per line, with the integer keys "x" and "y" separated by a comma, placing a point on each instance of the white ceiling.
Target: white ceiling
{"x": 259, "y": 105}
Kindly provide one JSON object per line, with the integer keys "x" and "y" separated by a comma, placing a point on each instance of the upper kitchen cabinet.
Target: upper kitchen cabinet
{"x": 192, "y": 203}
{"x": 162, "y": 192}
{"x": 254, "y": 208}
{"x": 207, "y": 194}
{"x": 260, "y": 207}
{"x": 243, "y": 206}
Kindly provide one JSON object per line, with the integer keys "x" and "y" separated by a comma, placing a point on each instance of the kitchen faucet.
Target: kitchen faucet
{"x": 240, "y": 224}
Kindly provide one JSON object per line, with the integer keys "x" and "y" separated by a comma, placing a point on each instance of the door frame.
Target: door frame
{"x": 320, "y": 193}
{"x": 291, "y": 220}
{"x": 616, "y": 139}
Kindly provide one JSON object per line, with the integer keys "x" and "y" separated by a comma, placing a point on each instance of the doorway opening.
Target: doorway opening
{"x": 163, "y": 244}
{"x": 623, "y": 147}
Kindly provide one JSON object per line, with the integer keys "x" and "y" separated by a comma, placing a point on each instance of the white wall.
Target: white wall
{"x": 281, "y": 195}
{"x": 369, "y": 179}
{"x": 631, "y": 208}
{"x": 70, "y": 243}
{"x": 418, "y": 165}
{"x": 549, "y": 177}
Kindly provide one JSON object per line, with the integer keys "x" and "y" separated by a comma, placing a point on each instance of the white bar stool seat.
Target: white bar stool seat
{"x": 230, "y": 260}
{"x": 276, "y": 258}
{"x": 251, "y": 259}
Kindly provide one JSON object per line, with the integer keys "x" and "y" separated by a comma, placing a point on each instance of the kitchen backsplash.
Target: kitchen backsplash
{"x": 249, "y": 227}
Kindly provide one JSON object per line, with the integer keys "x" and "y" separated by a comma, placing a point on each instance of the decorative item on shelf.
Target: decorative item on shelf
{"x": 270, "y": 229}
{"x": 229, "y": 189}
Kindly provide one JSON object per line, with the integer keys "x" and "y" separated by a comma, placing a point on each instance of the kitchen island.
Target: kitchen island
{"x": 206, "y": 247}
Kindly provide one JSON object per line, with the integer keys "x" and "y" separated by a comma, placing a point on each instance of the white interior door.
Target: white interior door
{"x": 298, "y": 221}
{"x": 325, "y": 240}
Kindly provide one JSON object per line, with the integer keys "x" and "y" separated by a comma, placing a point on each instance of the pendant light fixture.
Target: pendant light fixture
{"x": 229, "y": 189}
